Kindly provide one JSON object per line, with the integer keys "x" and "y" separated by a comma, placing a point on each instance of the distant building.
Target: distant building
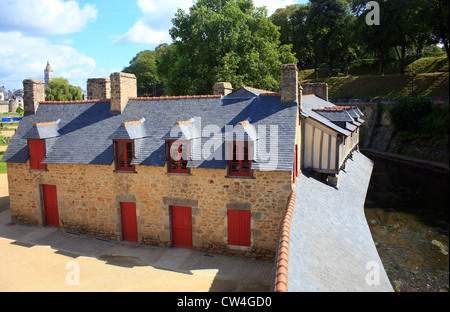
{"x": 48, "y": 73}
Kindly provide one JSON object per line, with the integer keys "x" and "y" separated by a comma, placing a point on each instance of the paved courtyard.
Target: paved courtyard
{"x": 48, "y": 259}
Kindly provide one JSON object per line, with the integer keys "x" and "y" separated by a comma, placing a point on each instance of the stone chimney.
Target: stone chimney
{"x": 222, "y": 88}
{"x": 98, "y": 88}
{"x": 33, "y": 93}
{"x": 289, "y": 84}
{"x": 123, "y": 86}
{"x": 318, "y": 89}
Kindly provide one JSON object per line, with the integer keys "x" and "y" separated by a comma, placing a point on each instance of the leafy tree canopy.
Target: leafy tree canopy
{"x": 144, "y": 66}
{"x": 223, "y": 40}
{"x": 59, "y": 89}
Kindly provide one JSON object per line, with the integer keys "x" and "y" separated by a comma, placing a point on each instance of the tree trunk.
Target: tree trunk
{"x": 381, "y": 68}
{"x": 331, "y": 60}
{"x": 401, "y": 57}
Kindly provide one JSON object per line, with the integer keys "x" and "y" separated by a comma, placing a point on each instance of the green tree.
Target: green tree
{"x": 436, "y": 16}
{"x": 59, "y": 89}
{"x": 144, "y": 67}
{"x": 223, "y": 40}
{"x": 326, "y": 19}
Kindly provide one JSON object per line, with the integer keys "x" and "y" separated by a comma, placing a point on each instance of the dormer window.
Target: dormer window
{"x": 124, "y": 155}
{"x": 36, "y": 137}
{"x": 240, "y": 165}
{"x": 178, "y": 156}
{"x": 125, "y": 139}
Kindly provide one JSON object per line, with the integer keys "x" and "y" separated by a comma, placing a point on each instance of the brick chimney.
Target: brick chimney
{"x": 318, "y": 89}
{"x": 123, "y": 86}
{"x": 33, "y": 93}
{"x": 98, "y": 88}
{"x": 222, "y": 88}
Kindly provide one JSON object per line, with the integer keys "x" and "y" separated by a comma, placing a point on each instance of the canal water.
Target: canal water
{"x": 408, "y": 214}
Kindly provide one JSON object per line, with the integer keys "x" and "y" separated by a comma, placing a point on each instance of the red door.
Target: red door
{"x": 181, "y": 226}
{"x": 50, "y": 205}
{"x": 239, "y": 227}
{"x": 129, "y": 222}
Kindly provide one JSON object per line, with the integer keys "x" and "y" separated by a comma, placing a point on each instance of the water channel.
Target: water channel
{"x": 408, "y": 213}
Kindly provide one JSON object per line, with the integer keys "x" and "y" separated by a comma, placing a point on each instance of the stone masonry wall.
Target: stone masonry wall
{"x": 89, "y": 199}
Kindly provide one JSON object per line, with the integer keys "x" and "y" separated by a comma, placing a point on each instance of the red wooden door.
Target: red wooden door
{"x": 181, "y": 226}
{"x": 239, "y": 227}
{"x": 50, "y": 205}
{"x": 129, "y": 222}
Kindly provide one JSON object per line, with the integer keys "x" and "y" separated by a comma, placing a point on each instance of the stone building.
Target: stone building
{"x": 210, "y": 172}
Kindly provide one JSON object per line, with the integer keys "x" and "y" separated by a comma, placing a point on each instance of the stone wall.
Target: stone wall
{"x": 319, "y": 89}
{"x": 89, "y": 199}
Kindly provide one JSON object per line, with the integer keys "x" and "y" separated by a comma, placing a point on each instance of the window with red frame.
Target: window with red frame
{"x": 178, "y": 156}
{"x": 240, "y": 165}
{"x": 124, "y": 155}
{"x": 37, "y": 154}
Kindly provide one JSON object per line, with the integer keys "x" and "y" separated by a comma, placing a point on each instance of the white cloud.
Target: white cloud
{"x": 45, "y": 17}
{"x": 143, "y": 34}
{"x": 153, "y": 27}
{"x": 26, "y": 57}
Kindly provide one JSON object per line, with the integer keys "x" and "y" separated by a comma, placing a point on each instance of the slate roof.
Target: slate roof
{"x": 87, "y": 129}
{"x": 343, "y": 119}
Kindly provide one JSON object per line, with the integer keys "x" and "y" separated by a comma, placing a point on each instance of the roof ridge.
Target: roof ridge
{"x": 75, "y": 102}
{"x": 271, "y": 94}
{"x": 255, "y": 89}
{"x": 177, "y": 97}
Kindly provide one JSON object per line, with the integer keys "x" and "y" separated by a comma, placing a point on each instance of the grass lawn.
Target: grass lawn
{"x": 389, "y": 86}
{"x": 431, "y": 80}
{"x": 2, "y": 164}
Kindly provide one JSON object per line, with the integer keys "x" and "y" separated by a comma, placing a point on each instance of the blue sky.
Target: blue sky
{"x": 84, "y": 38}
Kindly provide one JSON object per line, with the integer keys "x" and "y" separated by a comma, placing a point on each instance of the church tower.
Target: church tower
{"x": 48, "y": 73}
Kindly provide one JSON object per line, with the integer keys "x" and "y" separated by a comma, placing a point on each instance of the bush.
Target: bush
{"x": 407, "y": 113}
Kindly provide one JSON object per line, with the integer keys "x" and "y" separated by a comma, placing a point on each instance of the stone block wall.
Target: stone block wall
{"x": 319, "y": 89}
{"x": 89, "y": 199}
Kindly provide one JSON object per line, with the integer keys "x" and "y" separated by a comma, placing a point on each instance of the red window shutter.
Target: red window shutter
{"x": 239, "y": 231}
{"x": 37, "y": 154}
